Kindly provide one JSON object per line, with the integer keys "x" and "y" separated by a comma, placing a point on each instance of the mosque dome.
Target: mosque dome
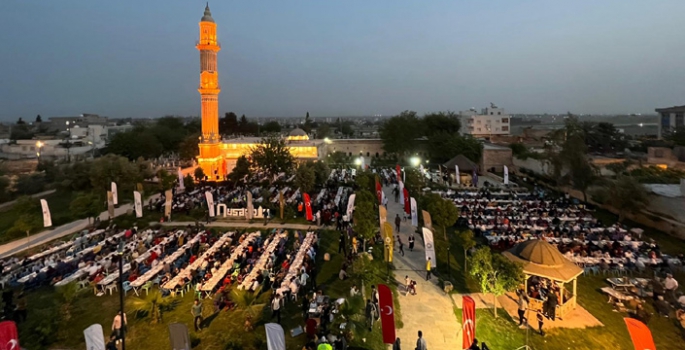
{"x": 208, "y": 15}
{"x": 298, "y": 134}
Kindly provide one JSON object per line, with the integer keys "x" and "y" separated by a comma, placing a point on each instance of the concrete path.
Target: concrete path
{"x": 37, "y": 195}
{"x": 20, "y": 245}
{"x": 244, "y": 224}
{"x": 431, "y": 310}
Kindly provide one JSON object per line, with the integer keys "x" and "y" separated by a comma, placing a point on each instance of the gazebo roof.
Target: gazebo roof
{"x": 465, "y": 164}
{"x": 542, "y": 259}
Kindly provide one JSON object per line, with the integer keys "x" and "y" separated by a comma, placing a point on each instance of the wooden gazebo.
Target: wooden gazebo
{"x": 542, "y": 259}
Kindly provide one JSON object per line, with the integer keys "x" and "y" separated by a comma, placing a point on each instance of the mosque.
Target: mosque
{"x": 218, "y": 156}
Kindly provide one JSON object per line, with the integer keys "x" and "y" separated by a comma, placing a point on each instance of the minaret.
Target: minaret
{"x": 210, "y": 159}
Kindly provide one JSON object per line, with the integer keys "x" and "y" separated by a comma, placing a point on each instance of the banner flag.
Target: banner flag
{"x": 407, "y": 205}
{"x": 350, "y": 204}
{"x": 399, "y": 172}
{"x": 9, "y": 337}
{"x": 250, "y": 206}
{"x": 275, "y": 338}
{"x": 388, "y": 240}
{"x": 179, "y": 337}
{"x": 115, "y": 193}
{"x": 382, "y": 215}
{"x": 456, "y": 169}
{"x": 281, "y": 199}
{"x": 421, "y": 169}
{"x": 430, "y": 248}
{"x": 138, "y": 204}
{"x": 387, "y": 311}
{"x": 180, "y": 179}
{"x": 468, "y": 317}
{"x": 169, "y": 196}
{"x": 414, "y": 213}
{"x": 379, "y": 191}
{"x": 427, "y": 219}
{"x": 210, "y": 203}
{"x": 639, "y": 334}
{"x": 47, "y": 218}
{"x": 308, "y": 207}
{"x": 363, "y": 163}
{"x": 95, "y": 339}
{"x": 506, "y": 175}
{"x": 401, "y": 188}
{"x": 110, "y": 204}
{"x": 475, "y": 178}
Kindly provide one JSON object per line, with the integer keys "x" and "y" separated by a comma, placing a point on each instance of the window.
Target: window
{"x": 350, "y": 154}
{"x": 678, "y": 119}
{"x": 505, "y": 128}
{"x": 665, "y": 120}
{"x": 505, "y": 120}
{"x": 499, "y": 113}
{"x": 376, "y": 154}
{"x": 367, "y": 154}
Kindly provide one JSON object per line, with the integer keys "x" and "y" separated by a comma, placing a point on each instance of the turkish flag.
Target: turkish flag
{"x": 308, "y": 206}
{"x": 9, "y": 337}
{"x": 379, "y": 191}
{"x": 399, "y": 172}
{"x": 387, "y": 310}
{"x": 468, "y": 319}
{"x": 640, "y": 334}
{"x": 407, "y": 206}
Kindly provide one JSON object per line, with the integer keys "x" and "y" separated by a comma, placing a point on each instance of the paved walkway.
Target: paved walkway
{"x": 37, "y": 195}
{"x": 20, "y": 245}
{"x": 578, "y": 318}
{"x": 243, "y": 224}
{"x": 431, "y": 310}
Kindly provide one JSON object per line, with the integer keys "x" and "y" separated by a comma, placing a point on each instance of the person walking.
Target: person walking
{"x": 119, "y": 326}
{"x": 541, "y": 322}
{"x": 398, "y": 221}
{"x": 276, "y": 307}
{"x": 342, "y": 248}
{"x": 421, "y": 343}
{"x": 370, "y": 313}
{"x": 428, "y": 269}
{"x": 399, "y": 241}
{"x": 411, "y": 242}
{"x": 196, "y": 311}
{"x": 523, "y": 306}
{"x": 396, "y": 192}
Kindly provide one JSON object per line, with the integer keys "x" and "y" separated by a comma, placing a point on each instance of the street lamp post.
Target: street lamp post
{"x": 68, "y": 140}
{"x": 39, "y": 145}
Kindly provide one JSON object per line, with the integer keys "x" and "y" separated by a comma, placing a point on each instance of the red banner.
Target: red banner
{"x": 407, "y": 205}
{"x": 387, "y": 311}
{"x": 468, "y": 319}
{"x": 308, "y": 206}
{"x": 640, "y": 334}
{"x": 399, "y": 172}
{"x": 9, "y": 337}
{"x": 379, "y": 191}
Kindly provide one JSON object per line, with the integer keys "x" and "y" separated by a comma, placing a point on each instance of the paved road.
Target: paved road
{"x": 431, "y": 310}
{"x": 20, "y": 245}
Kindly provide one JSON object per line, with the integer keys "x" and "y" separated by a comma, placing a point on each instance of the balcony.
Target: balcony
{"x": 207, "y": 44}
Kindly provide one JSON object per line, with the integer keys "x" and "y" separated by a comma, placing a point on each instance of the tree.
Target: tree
{"x": 272, "y": 156}
{"x": 441, "y": 122}
{"x": 365, "y": 221}
{"x": 166, "y": 180}
{"x": 323, "y": 131}
{"x": 400, "y": 133}
{"x": 677, "y": 136}
{"x": 139, "y": 142}
{"x": 443, "y": 214}
{"x": 271, "y": 127}
{"x": 188, "y": 183}
{"x": 321, "y": 171}
{"x": 29, "y": 184}
{"x": 21, "y": 121}
{"x": 75, "y": 177}
{"x": 442, "y": 146}
{"x": 250, "y": 303}
{"x": 4, "y": 189}
{"x": 39, "y": 119}
{"x": 307, "y": 127}
{"x": 188, "y": 149}
{"x": 111, "y": 168}
{"x": 414, "y": 181}
{"x": 495, "y": 273}
{"x": 199, "y": 174}
{"x": 86, "y": 205}
{"x": 626, "y": 195}
{"x": 466, "y": 241}
{"x": 305, "y": 178}
{"x": 242, "y": 170}
{"x": 228, "y": 124}
{"x": 30, "y": 219}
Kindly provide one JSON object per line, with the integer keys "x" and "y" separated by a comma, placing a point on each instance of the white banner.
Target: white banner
{"x": 210, "y": 203}
{"x": 275, "y": 338}
{"x": 430, "y": 247}
{"x": 506, "y": 175}
{"x": 180, "y": 179}
{"x": 456, "y": 168}
{"x": 138, "y": 204}
{"x": 414, "y": 214}
{"x": 168, "y": 197}
{"x": 401, "y": 192}
{"x": 47, "y": 218}
{"x": 250, "y": 207}
{"x": 115, "y": 196}
{"x": 95, "y": 339}
{"x": 350, "y": 204}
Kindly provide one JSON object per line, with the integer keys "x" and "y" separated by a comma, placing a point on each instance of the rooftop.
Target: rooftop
{"x": 671, "y": 109}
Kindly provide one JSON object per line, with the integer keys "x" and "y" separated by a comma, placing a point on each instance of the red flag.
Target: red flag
{"x": 387, "y": 311}
{"x": 407, "y": 206}
{"x": 9, "y": 337}
{"x": 379, "y": 191}
{"x": 640, "y": 334}
{"x": 308, "y": 207}
{"x": 399, "y": 172}
{"x": 468, "y": 319}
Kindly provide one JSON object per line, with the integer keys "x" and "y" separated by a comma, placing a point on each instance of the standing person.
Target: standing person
{"x": 407, "y": 283}
{"x": 396, "y": 345}
{"x": 354, "y": 245}
{"x": 398, "y": 221}
{"x": 20, "y": 311}
{"x": 541, "y": 322}
{"x": 670, "y": 286}
{"x": 411, "y": 242}
{"x": 196, "y": 311}
{"x": 399, "y": 241}
{"x": 341, "y": 244}
{"x": 421, "y": 343}
{"x": 523, "y": 306}
{"x": 428, "y": 269}
{"x": 276, "y": 307}
{"x": 396, "y": 192}
{"x": 119, "y": 327}
{"x": 318, "y": 218}
{"x": 552, "y": 302}
{"x": 370, "y": 313}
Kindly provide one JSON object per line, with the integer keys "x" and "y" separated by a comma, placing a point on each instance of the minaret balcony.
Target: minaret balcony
{"x": 209, "y": 91}
{"x": 208, "y": 45}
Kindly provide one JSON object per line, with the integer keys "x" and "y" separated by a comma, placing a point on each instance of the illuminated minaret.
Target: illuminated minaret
{"x": 210, "y": 159}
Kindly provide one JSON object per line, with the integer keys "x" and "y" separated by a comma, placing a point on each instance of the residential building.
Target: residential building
{"x": 669, "y": 119}
{"x": 491, "y": 121}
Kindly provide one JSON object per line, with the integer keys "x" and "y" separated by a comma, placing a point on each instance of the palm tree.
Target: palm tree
{"x": 250, "y": 303}
{"x": 152, "y": 307}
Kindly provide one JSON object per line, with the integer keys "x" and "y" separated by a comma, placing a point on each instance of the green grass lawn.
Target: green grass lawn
{"x": 49, "y": 325}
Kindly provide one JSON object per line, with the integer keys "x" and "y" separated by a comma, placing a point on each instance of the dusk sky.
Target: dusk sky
{"x": 283, "y": 58}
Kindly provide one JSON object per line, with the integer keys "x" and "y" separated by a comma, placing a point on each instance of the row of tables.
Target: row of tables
{"x": 174, "y": 282}
{"x": 294, "y": 270}
{"x": 259, "y": 266}
{"x": 209, "y": 286}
